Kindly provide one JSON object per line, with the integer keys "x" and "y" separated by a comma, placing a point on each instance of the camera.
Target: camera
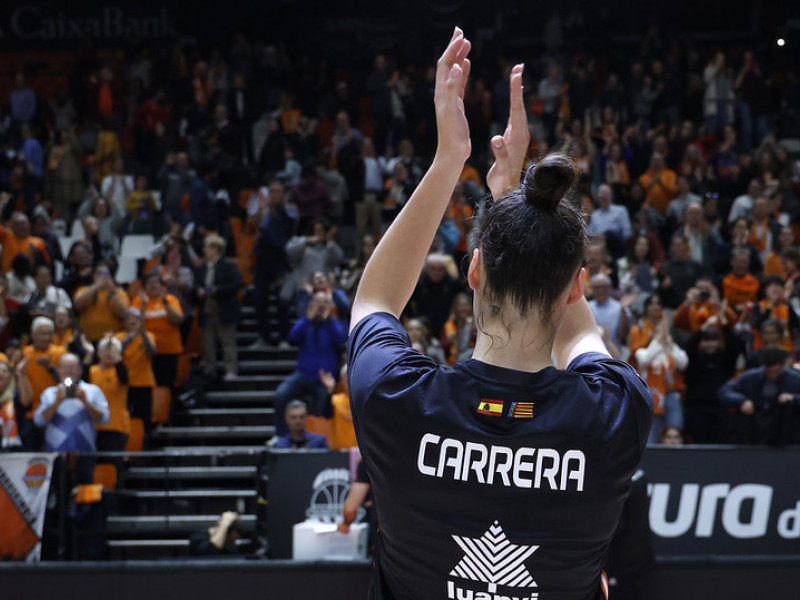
{"x": 70, "y": 387}
{"x": 704, "y": 295}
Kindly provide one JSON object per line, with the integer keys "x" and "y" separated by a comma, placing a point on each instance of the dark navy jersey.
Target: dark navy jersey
{"x": 491, "y": 482}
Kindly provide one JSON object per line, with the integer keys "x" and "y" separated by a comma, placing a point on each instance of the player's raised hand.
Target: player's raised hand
{"x": 511, "y": 147}
{"x": 452, "y": 72}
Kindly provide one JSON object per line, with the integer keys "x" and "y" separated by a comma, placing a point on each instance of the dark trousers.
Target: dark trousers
{"x": 299, "y": 387}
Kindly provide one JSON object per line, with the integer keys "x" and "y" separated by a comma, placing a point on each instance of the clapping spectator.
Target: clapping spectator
{"x": 138, "y": 348}
{"x": 111, "y": 376}
{"x": 317, "y": 251}
{"x": 20, "y": 281}
{"x": 100, "y": 306}
{"x": 46, "y": 298}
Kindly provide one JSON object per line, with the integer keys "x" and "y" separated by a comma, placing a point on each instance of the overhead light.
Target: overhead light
{"x": 781, "y": 42}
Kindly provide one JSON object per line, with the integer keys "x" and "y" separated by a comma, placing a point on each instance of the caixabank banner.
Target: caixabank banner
{"x": 24, "y": 486}
{"x": 724, "y": 501}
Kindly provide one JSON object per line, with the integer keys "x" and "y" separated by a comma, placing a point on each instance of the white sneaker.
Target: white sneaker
{"x": 284, "y": 344}
{"x": 230, "y": 376}
{"x": 259, "y": 344}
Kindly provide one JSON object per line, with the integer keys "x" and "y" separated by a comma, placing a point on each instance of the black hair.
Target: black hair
{"x": 772, "y": 355}
{"x": 773, "y": 279}
{"x": 22, "y": 265}
{"x": 532, "y": 239}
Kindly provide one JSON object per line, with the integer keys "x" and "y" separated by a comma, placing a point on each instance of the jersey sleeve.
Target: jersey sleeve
{"x": 381, "y": 364}
{"x": 620, "y": 392}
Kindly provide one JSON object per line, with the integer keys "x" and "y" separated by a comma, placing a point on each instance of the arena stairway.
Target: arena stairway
{"x": 206, "y": 461}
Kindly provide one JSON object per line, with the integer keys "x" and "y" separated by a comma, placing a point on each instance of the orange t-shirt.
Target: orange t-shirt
{"x": 344, "y": 432}
{"x": 63, "y": 339}
{"x": 639, "y": 337}
{"x": 13, "y": 245}
{"x": 98, "y": 318}
{"x": 168, "y": 336}
{"x": 659, "y": 194}
{"x": 116, "y": 393}
{"x": 139, "y": 363}
{"x": 781, "y": 313}
{"x": 740, "y": 290}
{"x": 773, "y": 265}
{"x": 38, "y": 376}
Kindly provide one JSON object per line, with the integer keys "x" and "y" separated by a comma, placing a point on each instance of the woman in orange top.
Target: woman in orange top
{"x": 100, "y": 306}
{"x": 774, "y": 263}
{"x": 111, "y": 376}
{"x": 772, "y": 307}
{"x": 641, "y": 333}
{"x": 458, "y": 333}
{"x": 162, "y": 317}
{"x": 138, "y": 348}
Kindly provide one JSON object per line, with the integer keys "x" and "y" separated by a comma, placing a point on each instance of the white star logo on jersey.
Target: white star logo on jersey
{"x": 494, "y": 560}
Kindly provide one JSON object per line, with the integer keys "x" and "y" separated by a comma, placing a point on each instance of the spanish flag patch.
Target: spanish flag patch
{"x": 521, "y": 410}
{"x": 491, "y": 407}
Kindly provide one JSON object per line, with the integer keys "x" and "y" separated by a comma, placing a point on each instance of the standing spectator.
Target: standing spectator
{"x": 78, "y": 270}
{"x": 419, "y": 334}
{"x": 102, "y": 222}
{"x": 298, "y": 438}
{"x": 712, "y": 362}
{"x": 310, "y": 196}
{"x": 276, "y": 225}
{"x": 379, "y": 86}
{"x": 676, "y": 211}
{"x": 46, "y": 298}
{"x": 550, "y": 90}
{"x": 111, "y": 376}
{"x": 718, "y": 98}
{"x": 100, "y": 306}
{"x": 15, "y": 398}
{"x": 140, "y": 209}
{"x": 659, "y": 183}
{"x": 785, "y": 241}
{"x": 162, "y": 317}
{"x": 22, "y": 101}
{"x": 638, "y": 270}
{"x": 138, "y": 347}
{"x": 43, "y": 229}
{"x": 659, "y": 364}
{"x": 107, "y": 152}
{"x": 316, "y": 251}
{"x": 772, "y": 306}
{"x": 174, "y": 179}
{"x": 31, "y": 155}
{"x": 742, "y": 206}
{"x": 19, "y": 278}
{"x": 368, "y": 210}
{"x": 18, "y": 239}
{"x": 70, "y": 412}
{"x": 218, "y": 284}
{"x": 458, "y": 334}
{"x": 434, "y": 293}
{"x": 320, "y": 339}
{"x": 767, "y": 398}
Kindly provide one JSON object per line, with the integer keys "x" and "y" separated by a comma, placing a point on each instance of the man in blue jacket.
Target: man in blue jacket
{"x": 767, "y": 398}
{"x": 320, "y": 338}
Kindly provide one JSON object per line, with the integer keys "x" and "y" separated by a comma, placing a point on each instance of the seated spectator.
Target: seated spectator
{"x": 351, "y": 275}
{"x": 419, "y": 334}
{"x": 742, "y": 207}
{"x": 660, "y": 364}
{"x": 672, "y": 436}
{"x": 298, "y": 438}
{"x": 43, "y": 230}
{"x": 138, "y": 347}
{"x": 740, "y": 287}
{"x": 69, "y": 413}
{"x": 218, "y": 282}
{"x": 676, "y": 211}
{"x": 19, "y": 279}
{"x": 320, "y": 339}
{"x": 100, "y": 306}
{"x": 116, "y": 186}
{"x": 679, "y": 273}
{"x": 397, "y": 189}
{"x": 458, "y": 335}
{"x": 767, "y": 399}
{"x": 310, "y": 196}
{"x": 111, "y": 375}
{"x": 712, "y": 362}
{"x": 611, "y": 221}
{"x": 434, "y": 293}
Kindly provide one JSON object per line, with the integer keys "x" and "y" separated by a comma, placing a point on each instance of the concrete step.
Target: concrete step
{"x": 162, "y": 474}
{"x": 247, "y": 381}
{"x": 231, "y": 433}
{"x": 126, "y": 525}
{"x": 244, "y": 453}
{"x": 186, "y": 494}
{"x": 263, "y": 366}
{"x": 230, "y": 417}
{"x": 239, "y": 397}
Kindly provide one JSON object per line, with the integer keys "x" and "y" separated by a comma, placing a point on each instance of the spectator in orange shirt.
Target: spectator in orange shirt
{"x": 702, "y": 301}
{"x": 138, "y": 348}
{"x": 740, "y": 287}
{"x": 772, "y": 308}
{"x": 101, "y": 305}
{"x": 111, "y": 376}
{"x": 785, "y": 240}
{"x": 659, "y": 183}
{"x": 162, "y": 317}
{"x": 18, "y": 239}
{"x": 41, "y": 359}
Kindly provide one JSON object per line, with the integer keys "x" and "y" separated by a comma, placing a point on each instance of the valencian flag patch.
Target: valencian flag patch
{"x": 491, "y": 407}
{"x": 521, "y": 410}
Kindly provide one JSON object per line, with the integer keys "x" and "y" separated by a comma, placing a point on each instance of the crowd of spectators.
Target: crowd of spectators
{"x": 691, "y": 202}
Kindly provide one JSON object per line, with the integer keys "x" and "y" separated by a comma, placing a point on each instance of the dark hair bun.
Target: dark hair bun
{"x": 549, "y": 180}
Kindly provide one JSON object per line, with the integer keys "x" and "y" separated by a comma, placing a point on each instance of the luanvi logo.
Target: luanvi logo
{"x": 494, "y": 560}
